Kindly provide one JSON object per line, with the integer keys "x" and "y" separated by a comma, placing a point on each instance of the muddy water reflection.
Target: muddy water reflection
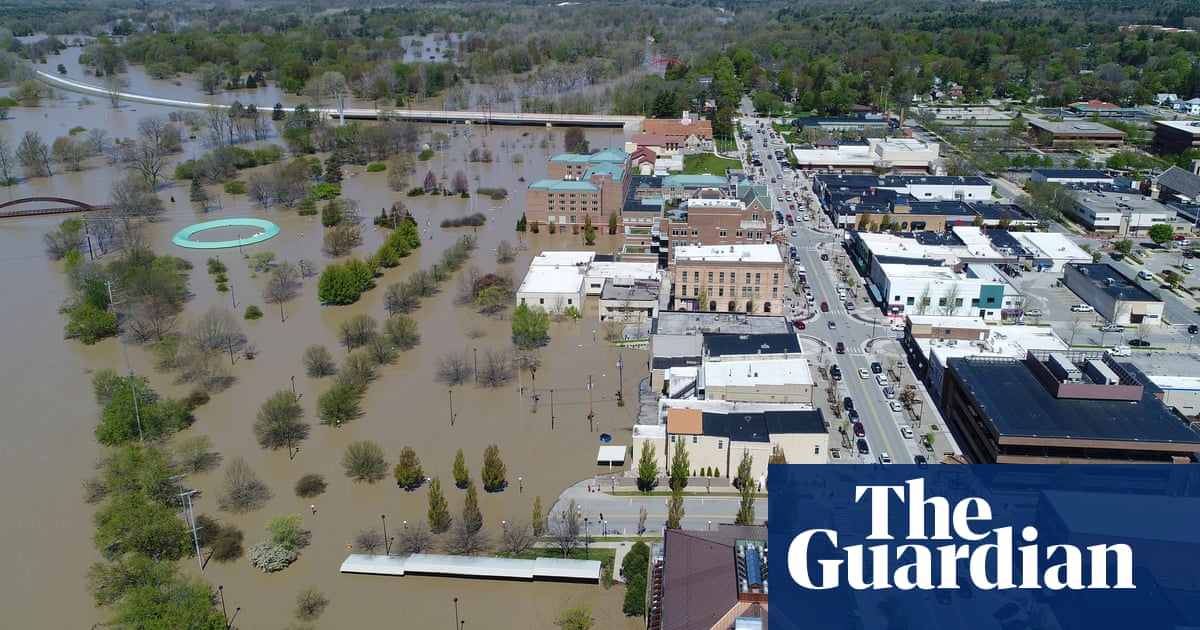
{"x": 47, "y": 447}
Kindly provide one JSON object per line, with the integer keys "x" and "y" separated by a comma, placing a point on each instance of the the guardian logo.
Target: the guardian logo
{"x": 985, "y": 556}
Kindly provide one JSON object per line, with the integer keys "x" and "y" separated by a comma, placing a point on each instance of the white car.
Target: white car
{"x": 905, "y": 431}
{"x": 805, "y": 218}
{"x": 1081, "y": 308}
{"x": 897, "y": 407}
{"x": 882, "y": 379}
{"x": 863, "y": 373}
{"x": 1188, "y": 266}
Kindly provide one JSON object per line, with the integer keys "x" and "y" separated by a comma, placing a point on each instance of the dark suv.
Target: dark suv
{"x": 876, "y": 367}
{"x": 863, "y": 448}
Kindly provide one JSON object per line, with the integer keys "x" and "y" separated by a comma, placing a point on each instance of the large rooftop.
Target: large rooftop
{"x": 723, "y": 344}
{"x": 694, "y": 323}
{"x": 552, "y": 280}
{"x": 1075, "y": 127}
{"x": 563, "y": 185}
{"x": 1114, "y": 283}
{"x": 765, "y": 253}
{"x": 1018, "y": 405}
{"x": 751, "y": 373}
{"x": 1186, "y": 126}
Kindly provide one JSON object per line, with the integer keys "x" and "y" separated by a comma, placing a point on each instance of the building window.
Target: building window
{"x": 816, "y": 449}
{"x": 696, "y": 276}
{"x": 568, "y": 301}
{"x": 774, "y": 292}
{"x": 541, "y": 300}
{"x": 722, "y": 276}
{"x": 695, "y": 439}
{"x": 683, "y": 291}
{"x": 738, "y": 233}
{"x": 672, "y": 439}
{"x": 710, "y": 277}
{"x": 758, "y": 278}
{"x": 720, "y": 444}
{"x": 896, "y": 299}
{"x": 720, "y": 291}
{"x": 958, "y": 303}
{"x": 573, "y": 219}
{"x": 722, "y": 233}
{"x": 910, "y": 301}
{"x": 775, "y": 278}
{"x": 695, "y": 232}
{"x": 941, "y": 301}
{"x": 695, "y": 291}
{"x": 747, "y": 277}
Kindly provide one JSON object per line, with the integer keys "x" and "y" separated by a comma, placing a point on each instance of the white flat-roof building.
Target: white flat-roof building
{"x": 563, "y": 258}
{"x": 978, "y": 290}
{"x": 622, "y": 272}
{"x": 553, "y": 288}
{"x": 901, "y": 154}
{"x": 773, "y": 380}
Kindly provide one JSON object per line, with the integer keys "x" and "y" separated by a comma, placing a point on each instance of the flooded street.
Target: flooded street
{"x": 48, "y": 447}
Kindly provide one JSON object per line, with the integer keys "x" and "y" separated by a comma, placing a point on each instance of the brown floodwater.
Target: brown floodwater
{"x": 48, "y": 448}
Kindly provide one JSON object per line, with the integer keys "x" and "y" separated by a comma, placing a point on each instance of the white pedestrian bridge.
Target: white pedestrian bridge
{"x": 537, "y": 569}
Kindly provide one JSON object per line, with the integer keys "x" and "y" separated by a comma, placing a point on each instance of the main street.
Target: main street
{"x": 881, "y": 424}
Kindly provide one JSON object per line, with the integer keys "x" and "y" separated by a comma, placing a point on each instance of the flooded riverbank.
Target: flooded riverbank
{"x": 48, "y": 448}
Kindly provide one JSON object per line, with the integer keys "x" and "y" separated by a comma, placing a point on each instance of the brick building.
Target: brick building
{"x": 579, "y": 186}
{"x": 732, "y": 278}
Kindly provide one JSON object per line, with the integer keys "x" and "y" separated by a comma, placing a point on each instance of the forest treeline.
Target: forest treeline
{"x": 596, "y": 56}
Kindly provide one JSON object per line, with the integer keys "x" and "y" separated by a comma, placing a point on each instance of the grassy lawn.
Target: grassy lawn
{"x": 707, "y": 163}
{"x": 725, "y": 144}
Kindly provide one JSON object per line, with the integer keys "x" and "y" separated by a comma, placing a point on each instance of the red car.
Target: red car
{"x": 841, "y": 348}
{"x": 798, "y": 323}
{"x": 824, "y": 307}
{"x": 859, "y": 430}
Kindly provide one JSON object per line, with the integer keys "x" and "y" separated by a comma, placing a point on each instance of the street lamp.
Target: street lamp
{"x": 621, "y": 377}
{"x": 221, "y": 594}
{"x": 475, "y": 352}
{"x": 520, "y": 485}
{"x": 387, "y": 548}
{"x": 586, "y": 553}
{"x": 451, "y": 394}
{"x": 456, "y": 624}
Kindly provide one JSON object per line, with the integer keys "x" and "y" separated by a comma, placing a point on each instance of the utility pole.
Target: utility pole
{"x": 551, "y": 409}
{"x": 136, "y": 412}
{"x": 591, "y": 413}
{"x": 189, "y": 514}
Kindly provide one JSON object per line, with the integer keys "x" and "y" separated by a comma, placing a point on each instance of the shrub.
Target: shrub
{"x": 415, "y": 191}
{"x": 253, "y": 312}
{"x": 288, "y": 531}
{"x": 196, "y": 398}
{"x": 271, "y": 557}
{"x": 474, "y": 220}
{"x": 376, "y": 167}
{"x": 425, "y": 154}
{"x": 236, "y": 187}
{"x": 310, "y": 603}
{"x": 364, "y": 461}
{"x": 311, "y": 485}
{"x": 323, "y": 191}
{"x": 496, "y": 194}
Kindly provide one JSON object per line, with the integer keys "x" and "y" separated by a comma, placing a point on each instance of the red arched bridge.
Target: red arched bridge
{"x": 65, "y": 206}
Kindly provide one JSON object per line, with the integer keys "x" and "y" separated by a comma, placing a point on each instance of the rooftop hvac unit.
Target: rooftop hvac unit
{"x": 1101, "y": 373}
{"x": 1063, "y": 369}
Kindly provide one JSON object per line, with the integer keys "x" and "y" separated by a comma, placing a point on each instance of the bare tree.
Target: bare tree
{"x": 563, "y": 528}
{"x": 133, "y": 198}
{"x": 283, "y": 285}
{"x": 340, "y": 239}
{"x": 217, "y": 330}
{"x": 318, "y": 361}
{"x": 8, "y": 164}
{"x": 401, "y": 297}
{"x": 1074, "y": 327}
{"x": 368, "y": 540}
{"x": 454, "y": 368}
{"x": 242, "y": 490}
{"x": 33, "y": 155}
{"x": 951, "y": 298}
{"x": 414, "y": 538}
{"x": 496, "y": 368}
{"x": 516, "y": 537}
{"x": 505, "y": 253}
{"x": 465, "y": 540}
{"x": 1143, "y": 329}
{"x": 113, "y": 85}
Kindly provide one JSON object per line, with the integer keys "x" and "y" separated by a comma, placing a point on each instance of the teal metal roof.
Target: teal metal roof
{"x": 607, "y": 168}
{"x": 693, "y": 181}
{"x": 563, "y": 185}
{"x": 610, "y": 156}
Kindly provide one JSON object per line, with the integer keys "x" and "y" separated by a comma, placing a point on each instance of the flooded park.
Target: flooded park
{"x": 49, "y": 449}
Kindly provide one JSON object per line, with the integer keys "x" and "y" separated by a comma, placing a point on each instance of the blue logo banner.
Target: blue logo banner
{"x": 1051, "y": 547}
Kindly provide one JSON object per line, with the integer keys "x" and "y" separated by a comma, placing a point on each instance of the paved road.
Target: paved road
{"x": 621, "y": 512}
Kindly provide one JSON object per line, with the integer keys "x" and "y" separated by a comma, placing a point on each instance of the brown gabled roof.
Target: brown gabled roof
{"x": 699, "y": 580}
{"x": 685, "y": 421}
{"x": 675, "y": 127}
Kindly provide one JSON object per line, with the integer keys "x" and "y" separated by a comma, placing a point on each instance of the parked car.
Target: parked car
{"x": 897, "y": 407}
{"x": 863, "y": 373}
{"x": 1113, "y": 328}
{"x": 1119, "y": 351}
{"x": 1145, "y": 275}
{"x": 1034, "y": 312}
{"x": 836, "y": 373}
{"x": 847, "y": 403}
{"x": 863, "y": 447}
{"x": 882, "y": 380}
{"x": 1188, "y": 266}
{"x": 859, "y": 429}
{"x": 849, "y": 305}
{"x": 793, "y": 232}
{"x": 889, "y": 392}
{"x": 1082, "y": 308}
{"x": 824, "y": 256}
{"x": 1167, "y": 273}
{"x": 884, "y": 458}
{"x": 825, "y": 308}
{"x": 876, "y": 367}
{"x": 1193, "y": 329}
{"x": 853, "y": 415}
{"x": 1139, "y": 343}
{"x": 920, "y": 460}
{"x": 841, "y": 347}
{"x": 906, "y": 431}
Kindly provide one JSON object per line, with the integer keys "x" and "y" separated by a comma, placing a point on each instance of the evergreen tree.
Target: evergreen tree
{"x": 198, "y": 193}
{"x": 409, "y": 473}
{"x": 439, "y": 510}
{"x": 679, "y": 465}
{"x": 675, "y": 510}
{"x": 333, "y": 169}
{"x": 539, "y": 518}
{"x": 493, "y": 469}
{"x": 461, "y": 474}
{"x": 745, "y": 485}
{"x": 647, "y": 468}
{"x": 472, "y": 518}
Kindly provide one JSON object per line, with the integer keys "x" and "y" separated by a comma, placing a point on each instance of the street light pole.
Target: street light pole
{"x": 456, "y": 625}
{"x": 520, "y": 485}
{"x": 387, "y": 548}
{"x": 224, "y": 612}
{"x": 621, "y": 377}
{"x": 586, "y": 550}
{"x": 451, "y": 392}
{"x": 294, "y": 388}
